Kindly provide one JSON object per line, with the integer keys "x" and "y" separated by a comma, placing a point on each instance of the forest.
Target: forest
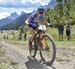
{"x": 64, "y": 12}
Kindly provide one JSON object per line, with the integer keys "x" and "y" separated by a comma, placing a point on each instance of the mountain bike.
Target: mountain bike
{"x": 47, "y": 49}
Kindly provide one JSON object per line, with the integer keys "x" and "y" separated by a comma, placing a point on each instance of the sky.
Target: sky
{"x": 9, "y": 6}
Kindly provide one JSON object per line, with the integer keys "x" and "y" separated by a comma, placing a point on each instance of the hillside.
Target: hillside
{"x": 13, "y": 21}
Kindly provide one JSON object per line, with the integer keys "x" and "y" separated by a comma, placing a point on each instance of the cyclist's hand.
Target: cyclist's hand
{"x": 46, "y": 24}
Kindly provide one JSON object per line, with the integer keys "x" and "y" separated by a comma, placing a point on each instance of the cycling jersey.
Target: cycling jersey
{"x": 33, "y": 20}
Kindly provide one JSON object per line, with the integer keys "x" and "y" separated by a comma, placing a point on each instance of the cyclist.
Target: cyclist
{"x": 33, "y": 22}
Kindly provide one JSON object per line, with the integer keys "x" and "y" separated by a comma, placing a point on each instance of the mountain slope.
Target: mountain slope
{"x": 7, "y": 20}
{"x": 20, "y": 20}
{"x": 14, "y": 21}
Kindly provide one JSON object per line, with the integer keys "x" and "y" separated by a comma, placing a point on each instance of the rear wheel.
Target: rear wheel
{"x": 48, "y": 53}
{"x": 32, "y": 49}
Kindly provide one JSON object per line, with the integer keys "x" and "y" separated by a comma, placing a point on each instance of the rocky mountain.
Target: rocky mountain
{"x": 13, "y": 21}
{"x": 8, "y": 19}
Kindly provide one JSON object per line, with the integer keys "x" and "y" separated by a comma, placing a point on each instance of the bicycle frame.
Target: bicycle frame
{"x": 41, "y": 29}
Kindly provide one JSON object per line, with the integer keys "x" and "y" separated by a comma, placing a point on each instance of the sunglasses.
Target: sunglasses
{"x": 40, "y": 12}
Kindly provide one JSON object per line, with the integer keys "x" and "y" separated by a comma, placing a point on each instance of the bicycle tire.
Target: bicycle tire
{"x": 54, "y": 51}
{"x": 31, "y": 51}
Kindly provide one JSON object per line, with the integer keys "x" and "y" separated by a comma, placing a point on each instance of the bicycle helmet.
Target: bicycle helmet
{"x": 41, "y": 10}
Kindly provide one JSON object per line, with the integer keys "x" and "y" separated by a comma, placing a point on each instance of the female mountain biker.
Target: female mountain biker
{"x": 33, "y": 22}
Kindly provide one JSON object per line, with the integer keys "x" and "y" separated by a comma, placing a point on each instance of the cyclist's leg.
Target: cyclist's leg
{"x": 40, "y": 39}
{"x": 46, "y": 43}
{"x": 41, "y": 43}
{"x": 32, "y": 33}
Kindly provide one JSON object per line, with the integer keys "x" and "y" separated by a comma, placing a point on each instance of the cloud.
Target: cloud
{"x": 23, "y": 3}
{"x": 17, "y": 10}
{"x": 10, "y": 6}
{"x": 4, "y": 14}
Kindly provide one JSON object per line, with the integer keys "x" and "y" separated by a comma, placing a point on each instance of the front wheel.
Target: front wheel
{"x": 48, "y": 54}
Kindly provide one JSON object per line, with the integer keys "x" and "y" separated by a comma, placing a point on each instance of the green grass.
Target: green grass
{"x": 21, "y": 42}
{"x": 65, "y": 43}
{"x": 54, "y": 33}
{"x": 58, "y": 43}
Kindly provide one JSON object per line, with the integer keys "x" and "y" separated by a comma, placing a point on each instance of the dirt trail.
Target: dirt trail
{"x": 18, "y": 54}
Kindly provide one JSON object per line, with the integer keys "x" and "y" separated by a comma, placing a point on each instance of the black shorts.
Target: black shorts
{"x": 33, "y": 25}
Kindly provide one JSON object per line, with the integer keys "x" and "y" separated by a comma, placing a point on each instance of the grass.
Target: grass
{"x": 58, "y": 43}
{"x": 16, "y": 41}
{"x": 65, "y": 43}
{"x": 54, "y": 33}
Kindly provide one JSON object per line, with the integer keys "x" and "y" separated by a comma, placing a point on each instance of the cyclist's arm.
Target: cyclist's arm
{"x": 28, "y": 20}
{"x": 45, "y": 22}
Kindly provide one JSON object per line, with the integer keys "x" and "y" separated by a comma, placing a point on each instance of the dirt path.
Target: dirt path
{"x": 20, "y": 55}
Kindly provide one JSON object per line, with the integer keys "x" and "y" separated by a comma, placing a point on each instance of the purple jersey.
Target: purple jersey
{"x": 34, "y": 18}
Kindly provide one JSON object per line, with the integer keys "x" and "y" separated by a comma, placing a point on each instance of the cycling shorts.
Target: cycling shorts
{"x": 33, "y": 25}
